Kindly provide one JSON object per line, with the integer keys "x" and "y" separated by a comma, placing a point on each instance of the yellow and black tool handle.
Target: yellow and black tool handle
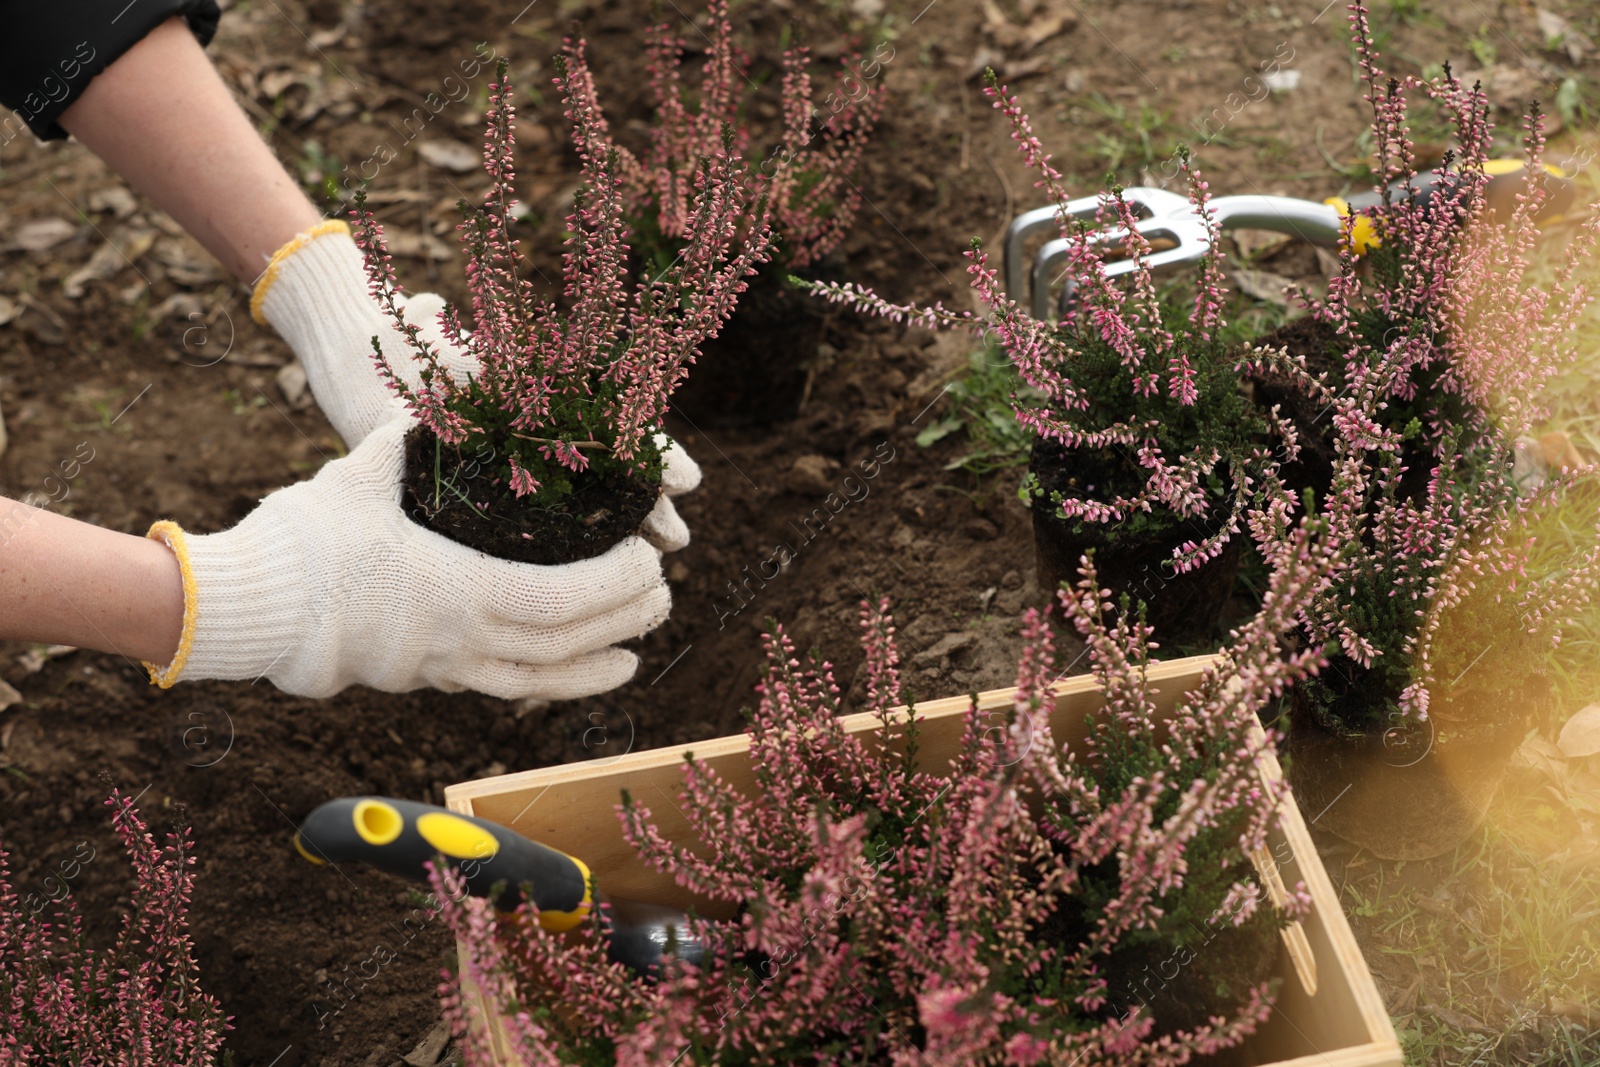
{"x": 399, "y": 836}
{"x": 1507, "y": 178}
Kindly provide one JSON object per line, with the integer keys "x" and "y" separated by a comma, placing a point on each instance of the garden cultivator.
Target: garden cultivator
{"x": 1177, "y": 233}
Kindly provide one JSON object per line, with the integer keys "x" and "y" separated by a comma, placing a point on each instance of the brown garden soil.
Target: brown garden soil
{"x": 156, "y": 370}
{"x": 755, "y": 372}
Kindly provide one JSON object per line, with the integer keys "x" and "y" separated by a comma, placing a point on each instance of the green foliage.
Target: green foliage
{"x": 1222, "y": 417}
{"x": 1482, "y": 47}
{"x": 490, "y": 445}
{"x": 980, "y": 408}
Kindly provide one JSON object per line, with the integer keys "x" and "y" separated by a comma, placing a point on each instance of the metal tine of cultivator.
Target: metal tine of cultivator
{"x": 1171, "y": 221}
{"x": 1169, "y": 217}
{"x": 1024, "y": 226}
{"x": 1048, "y": 218}
{"x": 1029, "y": 223}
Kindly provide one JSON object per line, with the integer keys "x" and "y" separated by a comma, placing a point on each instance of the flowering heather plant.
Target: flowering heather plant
{"x": 137, "y": 1005}
{"x": 807, "y": 178}
{"x": 889, "y": 912}
{"x": 1126, "y": 369}
{"x": 582, "y": 388}
{"x": 1442, "y": 345}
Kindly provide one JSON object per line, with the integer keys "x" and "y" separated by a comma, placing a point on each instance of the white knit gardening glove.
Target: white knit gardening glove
{"x": 327, "y": 584}
{"x": 314, "y": 293}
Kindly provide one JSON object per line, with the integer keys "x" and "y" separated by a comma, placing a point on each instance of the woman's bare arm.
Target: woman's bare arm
{"x": 162, "y": 118}
{"x": 66, "y": 582}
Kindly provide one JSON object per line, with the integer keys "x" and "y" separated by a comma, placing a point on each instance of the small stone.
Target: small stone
{"x": 981, "y": 530}
{"x": 1011, "y": 579}
{"x": 677, "y": 573}
{"x": 811, "y": 475}
{"x": 528, "y": 705}
{"x": 293, "y": 385}
{"x": 950, "y": 647}
{"x": 1281, "y": 81}
{"x": 450, "y": 155}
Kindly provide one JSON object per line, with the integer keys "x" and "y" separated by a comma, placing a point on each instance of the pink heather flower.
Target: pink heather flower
{"x": 138, "y": 1003}
{"x": 807, "y": 178}
{"x": 1456, "y": 319}
{"x": 1166, "y": 370}
{"x": 558, "y": 385}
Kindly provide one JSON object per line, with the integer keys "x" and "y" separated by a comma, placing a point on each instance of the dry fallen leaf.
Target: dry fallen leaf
{"x": 450, "y": 155}
{"x": 115, "y": 199}
{"x": 1557, "y": 450}
{"x": 8, "y": 695}
{"x": 1258, "y": 244}
{"x": 183, "y": 267}
{"x": 35, "y": 658}
{"x": 122, "y": 250}
{"x": 43, "y": 325}
{"x": 1263, "y": 285}
{"x": 1537, "y": 754}
{"x": 1558, "y": 33}
{"x": 41, "y": 235}
{"x": 178, "y": 305}
{"x": 293, "y": 385}
{"x": 8, "y": 309}
{"x": 1581, "y": 735}
{"x": 410, "y": 245}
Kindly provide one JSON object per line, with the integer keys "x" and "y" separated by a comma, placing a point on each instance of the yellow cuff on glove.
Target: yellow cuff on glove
{"x": 171, "y": 535}
{"x": 275, "y": 264}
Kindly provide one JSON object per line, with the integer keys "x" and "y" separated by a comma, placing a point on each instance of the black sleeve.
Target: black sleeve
{"x": 49, "y": 51}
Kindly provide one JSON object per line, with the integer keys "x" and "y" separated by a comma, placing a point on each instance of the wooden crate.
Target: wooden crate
{"x": 1328, "y": 1012}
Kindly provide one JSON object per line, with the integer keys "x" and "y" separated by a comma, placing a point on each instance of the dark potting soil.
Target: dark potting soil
{"x": 1180, "y": 986}
{"x": 1131, "y": 557}
{"x": 754, "y": 372}
{"x": 599, "y": 512}
{"x": 1312, "y": 419}
{"x": 1183, "y": 988}
{"x": 1402, "y": 789}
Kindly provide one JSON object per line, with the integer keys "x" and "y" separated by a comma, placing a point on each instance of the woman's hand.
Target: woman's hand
{"x": 327, "y": 584}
